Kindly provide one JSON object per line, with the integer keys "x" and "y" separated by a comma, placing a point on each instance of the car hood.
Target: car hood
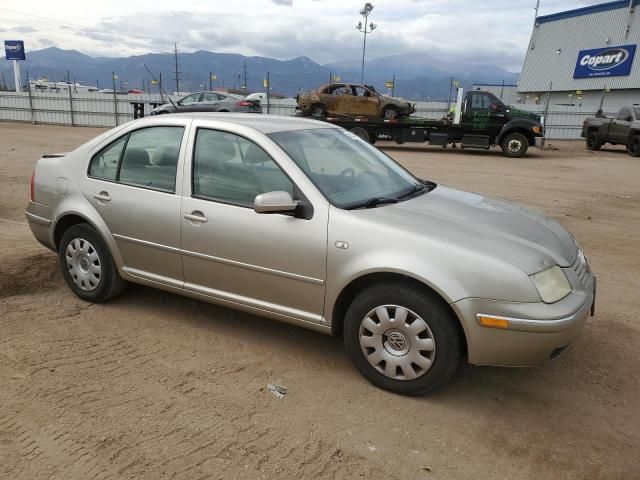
{"x": 501, "y": 229}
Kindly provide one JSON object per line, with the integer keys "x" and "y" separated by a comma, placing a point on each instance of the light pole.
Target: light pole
{"x": 364, "y": 28}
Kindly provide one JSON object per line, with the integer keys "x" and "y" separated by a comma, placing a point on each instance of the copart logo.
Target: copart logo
{"x": 13, "y": 47}
{"x": 605, "y": 60}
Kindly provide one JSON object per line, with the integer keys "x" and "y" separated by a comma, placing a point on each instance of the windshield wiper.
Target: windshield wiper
{"x": 415, "y": 189}
{"x": 372, "y": 202}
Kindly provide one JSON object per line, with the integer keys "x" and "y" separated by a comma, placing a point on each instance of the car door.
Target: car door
{"x": 477, "y": 116}
{"x": 620, "y": 126}
{"x": 268, "y": 262}
{"x": 134, "y": 184}
{"x": 210, "y": 102}
{"x": 336, "y": 99}
{"x": 363, "y": 102}
{"x": 190, "y": 103}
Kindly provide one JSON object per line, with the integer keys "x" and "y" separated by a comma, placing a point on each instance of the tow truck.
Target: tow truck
{"x": 480, "y": 120}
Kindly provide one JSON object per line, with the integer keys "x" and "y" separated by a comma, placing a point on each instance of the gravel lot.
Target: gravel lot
{"x": 153, "y": 385}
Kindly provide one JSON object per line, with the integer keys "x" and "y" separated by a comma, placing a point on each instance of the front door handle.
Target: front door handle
{"x": 196, "y": 216}
{"x": 102, "y": 196}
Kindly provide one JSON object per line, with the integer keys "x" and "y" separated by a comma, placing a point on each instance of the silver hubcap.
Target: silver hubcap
{"x": 397, "y": 342}
{"x": 83, "y": 264}
{"x": 514, "y": 146}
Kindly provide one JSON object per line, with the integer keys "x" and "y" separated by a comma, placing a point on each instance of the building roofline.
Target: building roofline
{"x": 578, "y": 12}
{"x": 495, "y": 84}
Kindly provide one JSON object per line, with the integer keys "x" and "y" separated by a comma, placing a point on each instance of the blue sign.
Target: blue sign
{"x": 14, "y": 49}
{"x": 605, "y": 62}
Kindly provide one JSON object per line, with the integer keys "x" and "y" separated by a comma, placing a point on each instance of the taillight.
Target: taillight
{"x": 244, "y": 103}
{"x": 32, "y": 187}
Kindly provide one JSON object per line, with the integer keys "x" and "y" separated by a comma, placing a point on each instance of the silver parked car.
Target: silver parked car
{"x": 303, "y": 222}
{"x": 210, "y": 102}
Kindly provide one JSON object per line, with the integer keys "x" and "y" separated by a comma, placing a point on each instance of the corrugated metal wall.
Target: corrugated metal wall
{"x": 570, "y": 35}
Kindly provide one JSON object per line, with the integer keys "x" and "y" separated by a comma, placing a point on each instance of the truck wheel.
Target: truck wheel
{"x": 389, "y": 113}
{"x": 633, "y": 148}
{"x": 514, "y": 145}
{"x": 362, "y": 133}
{"x": 593, "y": 142}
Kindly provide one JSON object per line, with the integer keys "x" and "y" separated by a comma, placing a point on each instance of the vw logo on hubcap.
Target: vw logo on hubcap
{"x": 397, "y": 341}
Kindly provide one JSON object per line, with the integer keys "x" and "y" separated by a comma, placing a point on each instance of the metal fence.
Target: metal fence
{"x": 106, "y": 110}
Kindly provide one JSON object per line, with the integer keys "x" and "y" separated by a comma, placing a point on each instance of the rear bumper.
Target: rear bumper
{"x": 536, "y": 333}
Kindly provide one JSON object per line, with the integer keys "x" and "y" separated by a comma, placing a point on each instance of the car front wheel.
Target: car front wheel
{"x": 87, "y": 265}
{"x": 402, "y": 339}
{"x": 593, "y": 142}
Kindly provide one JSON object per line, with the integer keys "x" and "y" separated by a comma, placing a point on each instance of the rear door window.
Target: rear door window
{"x": 146, "y": 158}
{"x": 105, "y": 163}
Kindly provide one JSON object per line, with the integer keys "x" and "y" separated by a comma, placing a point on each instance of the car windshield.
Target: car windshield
{"x": 347, "y": 170}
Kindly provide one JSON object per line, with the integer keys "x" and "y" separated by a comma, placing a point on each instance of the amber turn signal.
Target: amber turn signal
{"x": 493, "y": 322}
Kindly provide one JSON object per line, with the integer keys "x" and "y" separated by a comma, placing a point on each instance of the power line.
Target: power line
{"x": 44, "y": 18}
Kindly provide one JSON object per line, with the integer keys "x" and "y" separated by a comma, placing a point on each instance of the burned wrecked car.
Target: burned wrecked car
{"x": 353, "y": 100}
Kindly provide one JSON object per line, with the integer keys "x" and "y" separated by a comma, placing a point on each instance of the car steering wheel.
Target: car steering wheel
{"x": 348, "y": 171}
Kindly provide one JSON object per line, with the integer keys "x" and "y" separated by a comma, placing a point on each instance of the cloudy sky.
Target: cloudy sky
{"x": 491, "y": 31}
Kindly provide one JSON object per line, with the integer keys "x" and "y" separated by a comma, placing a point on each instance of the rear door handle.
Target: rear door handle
{"x": 102, "y": 196}
{"x": 196, "y": 216}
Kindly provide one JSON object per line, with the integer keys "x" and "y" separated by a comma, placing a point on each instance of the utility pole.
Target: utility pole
{"x": 175, "y": 46}
{"x": 502, "y": 89}
{"x": 210, "y": 81}
{"x": 365, "y": 12}
{"x": 393, "y": 86}
{"x": 115, "y": 98}
{"x": 268, "y": 94}
{"x": 160, "y": 87}
{"x": 450, "y": 89}
{"x": 244, "y": 86}
{"x": 330, "y": 77}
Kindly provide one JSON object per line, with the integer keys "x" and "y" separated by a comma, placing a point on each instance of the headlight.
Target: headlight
{"x": 552, "y": 284}
{"x": 537, "y": 129}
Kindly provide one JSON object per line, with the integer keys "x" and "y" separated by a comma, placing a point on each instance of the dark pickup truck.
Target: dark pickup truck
{"x": 624, "y": 129}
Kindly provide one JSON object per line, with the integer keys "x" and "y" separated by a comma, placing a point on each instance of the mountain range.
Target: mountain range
{"x": 418, "y": 74}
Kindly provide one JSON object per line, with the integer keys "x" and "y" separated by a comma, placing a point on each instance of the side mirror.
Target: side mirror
{"x": 495, "y": 107}
{"x": 274, "y": 202}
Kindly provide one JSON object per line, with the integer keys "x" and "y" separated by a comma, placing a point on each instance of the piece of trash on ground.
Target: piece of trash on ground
{"x": 277, "y": 390}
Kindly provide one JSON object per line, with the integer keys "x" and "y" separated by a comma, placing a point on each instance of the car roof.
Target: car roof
{"x": 260, "y": 122}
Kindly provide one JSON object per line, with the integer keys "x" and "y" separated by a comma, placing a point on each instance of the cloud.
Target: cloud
{"x": 496, "y": 34}
{"x": 25, "y": 29}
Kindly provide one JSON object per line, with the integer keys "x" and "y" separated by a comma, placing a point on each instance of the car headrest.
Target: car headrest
{"x": 135, "y": 157}
{"x": 167, "y": 156}
{"x": 255, "y": 154}
{"x": 213, "y": 151}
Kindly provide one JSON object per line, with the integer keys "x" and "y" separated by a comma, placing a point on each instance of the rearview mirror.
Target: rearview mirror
{"x": 274, "y": 202}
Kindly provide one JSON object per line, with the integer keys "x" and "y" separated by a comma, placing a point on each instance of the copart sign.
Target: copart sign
{"x": 605, "y": 62}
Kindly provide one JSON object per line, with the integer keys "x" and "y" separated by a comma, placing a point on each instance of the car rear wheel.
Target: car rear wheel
{"x": 633, "y": 148}
{"x": 402, "y": 339}
{"x": 593, "y": 142}
{"x": 87, "y": 265}
{"x": 389, "y": 113}
{"x": 514, "y": 145}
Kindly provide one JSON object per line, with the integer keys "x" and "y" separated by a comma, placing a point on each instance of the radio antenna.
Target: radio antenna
{"x": 160, "y": 85}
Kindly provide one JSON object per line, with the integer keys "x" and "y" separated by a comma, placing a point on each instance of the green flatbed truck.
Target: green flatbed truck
{"x": 480, "y": 120}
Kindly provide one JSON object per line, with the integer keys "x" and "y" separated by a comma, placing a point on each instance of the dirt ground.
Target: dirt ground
{"x": 153, "y": 385}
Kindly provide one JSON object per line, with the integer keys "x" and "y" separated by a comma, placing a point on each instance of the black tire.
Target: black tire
{"x": 389, "y": 113}
{"x": 362, "y": 133}
{"x": 514, "y": 145}
{"x": 442, "y": 327}
{"x": 108, "y": 285}
{"x": 633, "y": 148}
{"x": 593, "y": 142}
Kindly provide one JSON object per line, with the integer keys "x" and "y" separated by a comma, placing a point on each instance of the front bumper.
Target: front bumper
{"x": 539, "y": 141}
{"x": 536, "y": 332}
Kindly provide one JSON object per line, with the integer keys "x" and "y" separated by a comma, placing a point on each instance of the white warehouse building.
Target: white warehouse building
{"x": 580, "y": 58}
